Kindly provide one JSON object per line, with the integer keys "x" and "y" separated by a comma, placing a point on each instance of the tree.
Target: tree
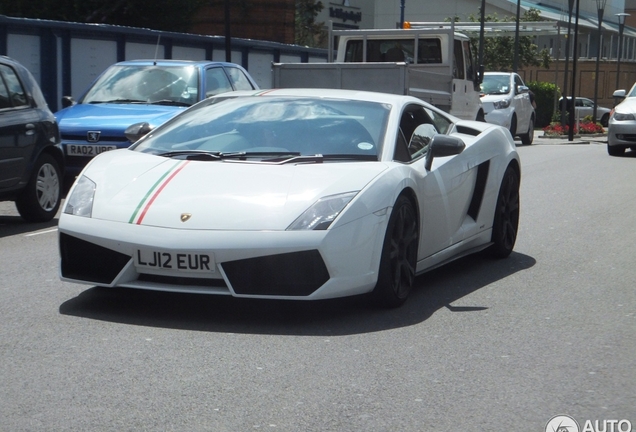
{"x": 307, "y": 31}
{"x": 499, "y": 51}
{"x": 168, "y": 15}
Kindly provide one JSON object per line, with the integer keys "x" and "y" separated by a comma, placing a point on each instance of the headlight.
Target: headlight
{"x": 502, "y": 104}
{"x": 320, "y": 215}
{"x": 623, "y": 116}
{"x": 80, "y": 203}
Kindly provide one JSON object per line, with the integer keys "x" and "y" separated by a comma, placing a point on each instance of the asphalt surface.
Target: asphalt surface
{"x": 482, "y": 344}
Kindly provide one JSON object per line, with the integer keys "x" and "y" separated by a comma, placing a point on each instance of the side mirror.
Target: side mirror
{"x": 619, "y": 94}
{"x": 67, "y": 101}
{"x": 443, "y": 145}
{"x": 135, "y": 131}
{"x": 523, "y": 89}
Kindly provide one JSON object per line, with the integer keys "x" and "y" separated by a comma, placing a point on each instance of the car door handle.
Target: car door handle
{"x": 30, "y": 129}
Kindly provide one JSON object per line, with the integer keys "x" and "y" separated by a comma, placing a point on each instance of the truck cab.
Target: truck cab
{"x": 436, "y": 48}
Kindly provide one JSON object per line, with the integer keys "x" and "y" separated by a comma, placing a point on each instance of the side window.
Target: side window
{"x": 14, "y": 92}
{"x": 518, "y": 83}
{"x": 240, "y": 81}
{"x": 216, "y": 81}
{"x": 442, "y": 124}
{"x": 416, "y": 130}
{"x": 458, "y": 60}
{"x": 5, "y": 102}
{"x": 429, "y": 51}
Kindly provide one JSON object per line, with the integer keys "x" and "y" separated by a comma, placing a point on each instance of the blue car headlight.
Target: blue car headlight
{"x": 623, "y": 116}
{"x": 322, "y": 213}
{"x": 501, "y": 104}
{"x": 80, "y": 203}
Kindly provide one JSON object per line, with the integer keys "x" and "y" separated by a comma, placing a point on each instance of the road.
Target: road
{"x": 482, "y": 345}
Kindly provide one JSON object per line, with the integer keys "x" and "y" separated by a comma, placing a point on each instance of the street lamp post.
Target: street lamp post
{"x": 600, "y": 7}
{"x": 574, "y": 61}
{"x": 515, "y": 63}
{"x": 228, "y": 40}
{"x": 621, "y": 27}
{"x": 564, "y": 104}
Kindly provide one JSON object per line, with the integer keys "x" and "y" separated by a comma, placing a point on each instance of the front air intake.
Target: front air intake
{"x": 85, "y": 261}
{"x": 289, "y": 274}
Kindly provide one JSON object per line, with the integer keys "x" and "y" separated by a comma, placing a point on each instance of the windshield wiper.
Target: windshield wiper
{"x": 170, "y": 102}
{"x": 320, "y": 158}
{"x": 201, "y": 154}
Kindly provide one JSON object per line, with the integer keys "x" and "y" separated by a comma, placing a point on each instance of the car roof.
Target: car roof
{"x": 173, "y": 62}
{"x": 8, "y": 60}
{"x": 498, "y": 73}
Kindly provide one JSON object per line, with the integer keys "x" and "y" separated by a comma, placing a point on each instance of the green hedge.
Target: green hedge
{"x": 544, "y": 97}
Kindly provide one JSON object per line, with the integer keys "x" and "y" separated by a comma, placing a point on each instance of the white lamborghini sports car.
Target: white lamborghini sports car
{"x": 293, "y": 194}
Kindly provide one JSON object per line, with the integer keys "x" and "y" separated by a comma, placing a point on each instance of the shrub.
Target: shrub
{"x": 544, "y": 97}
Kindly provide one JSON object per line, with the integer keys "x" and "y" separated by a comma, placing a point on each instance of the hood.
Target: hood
{"x": 111, "y": 119}
{"x": 138, "y": 188}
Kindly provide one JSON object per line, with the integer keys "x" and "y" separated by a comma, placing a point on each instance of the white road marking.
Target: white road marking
{"x": 41, "y": 232}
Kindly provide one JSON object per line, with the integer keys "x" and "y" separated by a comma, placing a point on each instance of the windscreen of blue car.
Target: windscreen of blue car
{"x": 145, "y": 84}
{"x": 274, "y": 125}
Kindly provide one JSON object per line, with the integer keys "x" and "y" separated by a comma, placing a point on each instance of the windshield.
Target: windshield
{"x": 275, "y": 126}
{"x": 145, "y": 84}
{"x": 495, "y": 84}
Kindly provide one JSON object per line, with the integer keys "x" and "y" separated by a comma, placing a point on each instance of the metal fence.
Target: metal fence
{"x": 66, "y": 57}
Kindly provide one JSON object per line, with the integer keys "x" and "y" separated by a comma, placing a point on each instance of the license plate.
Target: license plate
{"x": 87, "y": 150}
{"x": 191, "y": 261}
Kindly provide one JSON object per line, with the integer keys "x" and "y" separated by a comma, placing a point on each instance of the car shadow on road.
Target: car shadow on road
{"x": 434, "y": 290}
{"x": 15, "y": 225}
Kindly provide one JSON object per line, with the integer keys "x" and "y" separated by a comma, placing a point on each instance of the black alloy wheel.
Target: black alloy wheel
{"x": 506, "y": 221}
{"x": 399, "y": 256}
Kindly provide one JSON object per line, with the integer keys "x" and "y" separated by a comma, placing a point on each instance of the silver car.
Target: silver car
{"x": 585, "y": 107}
{"x": 621, "y": 132}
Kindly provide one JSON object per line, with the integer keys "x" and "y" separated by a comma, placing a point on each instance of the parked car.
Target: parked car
{"x": 506, "y": 101}
{"x": 621, "y": 131}
{"x": 585, "y": 107}
{"x": 31, "y": 158}
{"x": 293, "y": 194}
{"x": 146, "y": 92}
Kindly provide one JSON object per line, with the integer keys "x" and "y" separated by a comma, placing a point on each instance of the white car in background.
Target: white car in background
{"x": 621, "y": 130}
{"x": 506, "y": 102}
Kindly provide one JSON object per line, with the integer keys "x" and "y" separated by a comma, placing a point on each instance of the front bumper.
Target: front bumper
{"x": 261, "y": 264}
{"x": 621, "y": 133}
{"x": 501, "y": 117}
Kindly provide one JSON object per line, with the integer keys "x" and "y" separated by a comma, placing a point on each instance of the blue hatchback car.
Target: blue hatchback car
{"x": 143, "y": 93}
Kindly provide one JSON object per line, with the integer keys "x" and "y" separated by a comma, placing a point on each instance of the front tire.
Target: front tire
{"x": 527, "y": 138}
{"x": 399, "y": 256}
{"x": 40, "y": 200}
{"x": 605, "y": 120}
{"x": 615, "y": 150}
{"x": 513, "y": 126}
{"x": 506, "y": 221}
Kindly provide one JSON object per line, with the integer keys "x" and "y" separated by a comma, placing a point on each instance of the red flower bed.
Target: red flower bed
{"x": 585, "y": 127}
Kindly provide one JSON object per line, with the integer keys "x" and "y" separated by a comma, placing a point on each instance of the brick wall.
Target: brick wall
{"x": 269, "y": 20}
{"x": 586, "y": 72}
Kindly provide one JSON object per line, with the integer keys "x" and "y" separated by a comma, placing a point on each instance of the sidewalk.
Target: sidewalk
{"x": 540, "y": 139}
